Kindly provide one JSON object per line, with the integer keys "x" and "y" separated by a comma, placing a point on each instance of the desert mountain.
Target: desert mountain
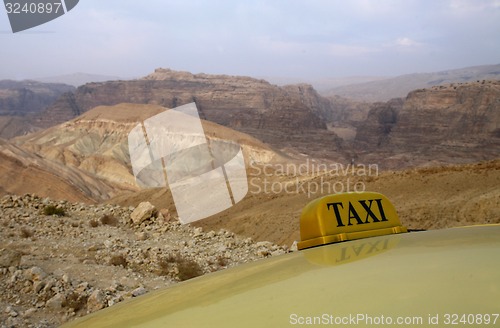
{"x": 456, "y": 123}
{"x": 430, "y": 125}
{"x": 28, "y": 97}
{"x": 96, "y": 144}
{"x": 400, "y": 86}
{"x": 346, "y": 115}
{"x": 24, "y": 172}
{"x": 20, "y": 100}
{"x": 274, "y": 115}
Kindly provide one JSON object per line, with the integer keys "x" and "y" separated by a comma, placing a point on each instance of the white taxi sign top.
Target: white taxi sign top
{"x": 347, "y": 216}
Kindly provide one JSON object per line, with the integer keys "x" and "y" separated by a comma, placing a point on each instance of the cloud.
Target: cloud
{"x": 467, "y": 6}
{"x": 407, "y": 42}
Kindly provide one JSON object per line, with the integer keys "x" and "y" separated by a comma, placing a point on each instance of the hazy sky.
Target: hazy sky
{"x": 288, "y": 38}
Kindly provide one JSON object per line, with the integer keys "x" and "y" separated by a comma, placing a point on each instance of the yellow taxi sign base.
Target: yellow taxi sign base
{"x": 347, "y": 216}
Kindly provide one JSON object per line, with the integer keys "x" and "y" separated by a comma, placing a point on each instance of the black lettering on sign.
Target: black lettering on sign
{"x": 369, "y": 212}
{"x": 353, "y": 216}
{"x": 337, "y": 212}
{"x": 381, "y": 209}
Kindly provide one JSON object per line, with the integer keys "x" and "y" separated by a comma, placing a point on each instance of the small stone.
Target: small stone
{"x": 49, "y": 285}
{"x": 36, "y": 274}
{"x": 65, "y": 278}
{"x": 164, "y": 215}
{"x": 56, "y": 302}
{"x": 29, "y": 312}
{"x": 139, "y": 291}
{"x": 38, "y": 285}
{"x": 96, "y": 301}
{"x": 17, "y": 274}
{"x": 81, "y": 287}
{"x": 141, "y": 236}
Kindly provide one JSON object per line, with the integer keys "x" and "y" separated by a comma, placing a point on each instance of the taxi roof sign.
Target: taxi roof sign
{"x": 347, "y": 216}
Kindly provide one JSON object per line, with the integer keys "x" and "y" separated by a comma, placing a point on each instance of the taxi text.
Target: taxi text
{"x": 351, "y": 215}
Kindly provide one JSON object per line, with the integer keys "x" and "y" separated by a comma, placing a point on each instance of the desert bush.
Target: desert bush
{"x": 53, "y": 210}
{"x": 110, "y": 220}
{"x": 26, "y": 233}
{"x": 93, "y": 223}
{"x": 75, "y": 301}
{"x": 222, "y": 261}
{"x": 118, "y": 260}
{"x": 186, "y": 268}
{"x": 163, "y": 267}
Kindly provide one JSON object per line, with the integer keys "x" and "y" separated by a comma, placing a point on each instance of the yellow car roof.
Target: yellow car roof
{"x": 429, "y": 275}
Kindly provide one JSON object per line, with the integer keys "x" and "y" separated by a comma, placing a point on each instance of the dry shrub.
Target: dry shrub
{"x": 110, "y": 220}
{"x": 26, "y": 233}
{"x": 53, "y": 210}
{"x": 222, "y": 261}
{"x": 118, "y": 260}
{"x": 187, "y": 268}
{"x": 163, "y": 267}
{"x": 76, "y": 301}
{"x": 93, "y": 223}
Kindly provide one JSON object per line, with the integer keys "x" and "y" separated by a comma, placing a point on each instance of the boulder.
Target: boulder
{"x": 143, "y": 212}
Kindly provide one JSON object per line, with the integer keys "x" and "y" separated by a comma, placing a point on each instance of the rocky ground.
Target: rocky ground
{"x": 62, "y": 260}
